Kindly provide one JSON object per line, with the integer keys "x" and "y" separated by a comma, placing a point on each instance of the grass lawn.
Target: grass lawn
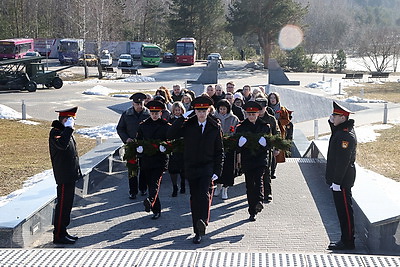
{"x": 388, "y": 91}
{"x": 25, "y": 152}
{"x": 383, "y": 155}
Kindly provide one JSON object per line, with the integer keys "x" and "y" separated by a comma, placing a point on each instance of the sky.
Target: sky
{"x": 366, "y": 133}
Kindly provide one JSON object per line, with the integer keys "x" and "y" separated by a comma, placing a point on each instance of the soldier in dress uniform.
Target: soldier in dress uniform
{"x": 66, "y": 169}
{"x": 127, "y": 130}
{"x": 254, "y": 159}
{"x": 341, "y": 172}
{"x": 266, "y": 116}
{"x": 203, "y": 157}
{"x": 153, "y": 166}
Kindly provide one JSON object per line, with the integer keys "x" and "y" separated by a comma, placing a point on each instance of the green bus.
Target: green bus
{"x": 150, "y": 55}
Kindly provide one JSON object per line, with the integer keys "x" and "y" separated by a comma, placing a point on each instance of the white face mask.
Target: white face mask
{"x": 331, "y": 118}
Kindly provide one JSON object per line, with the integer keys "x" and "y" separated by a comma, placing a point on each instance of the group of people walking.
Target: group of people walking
{"x": 209, "y": 170}
{"x": 204, "y": 164}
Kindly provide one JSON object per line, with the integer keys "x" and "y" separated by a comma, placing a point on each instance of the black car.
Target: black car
{"x": 168, "y": 58}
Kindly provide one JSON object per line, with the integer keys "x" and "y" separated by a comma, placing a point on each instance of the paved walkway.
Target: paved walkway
{"x": 301, "y": 217}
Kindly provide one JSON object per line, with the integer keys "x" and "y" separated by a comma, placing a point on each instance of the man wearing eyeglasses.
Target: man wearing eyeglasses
{"x": 230, "y": 87}
{"x": 127, "y": 129}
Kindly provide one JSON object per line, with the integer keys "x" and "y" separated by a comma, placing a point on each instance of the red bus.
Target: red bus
{"x": 185, "y": 51}
{"x": 15, "y": 48}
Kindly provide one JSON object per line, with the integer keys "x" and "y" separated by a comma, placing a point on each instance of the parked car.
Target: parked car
{"x": 91, "y": 60}
{"x": 32, "y": 54}
{"x": 125, "y": 60}
{"x": 215, "y": 56}
{"x": 106, "y": 60}
{"x": 168, "y": 57}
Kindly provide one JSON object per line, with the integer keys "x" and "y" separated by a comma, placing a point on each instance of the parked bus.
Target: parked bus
{"x": 47, "y": 47}
{"x": 15, "y": 48}
{"x": 70, "y": 50}
{"x": 185, "y": 51}
{"x": 150, "y": 55}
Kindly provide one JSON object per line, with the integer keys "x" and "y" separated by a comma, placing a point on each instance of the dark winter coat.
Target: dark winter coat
{"x": 175, "y": 162}
{"x": 271, "y": 120}
{"x": 253, "y": 159}
{"x": 63, "y": 154}
{"x": 238, "y": 112}
{"x": 153, "y": 130}
{"x": 128, "y": 124}
{"x": 340, "y": 168}
{"x": 200, "y": 149}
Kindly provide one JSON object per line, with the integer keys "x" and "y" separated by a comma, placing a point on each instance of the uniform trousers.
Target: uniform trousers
{"x": 267, "y": 183}
{"x": 200, "y": 195}
{"x": 137, "y": 183}
{"x": 254, "y": 187}
{"x": 228, "y": 171}
{"x": 153, "y": 177}
{"x": 344, "y": 209}
{"x": 267, "y": 176}
{"x": 62, "y": 216}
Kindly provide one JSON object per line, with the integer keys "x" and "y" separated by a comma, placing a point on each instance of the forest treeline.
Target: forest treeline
{"x": 224, "y": 26}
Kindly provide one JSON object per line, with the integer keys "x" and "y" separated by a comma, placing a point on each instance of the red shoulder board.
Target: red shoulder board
{"x": 345, "y": 129}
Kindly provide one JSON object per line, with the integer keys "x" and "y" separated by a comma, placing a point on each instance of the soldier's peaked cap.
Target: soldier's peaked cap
{"x": 340, "y": 110}
{"x": 138, "y": 97}
{"x": 155, "y": 106}
{"x": 262, "y": 101}
{"x": 252, "y": 106}
{"x": 202, "y": 102}
{"x": 69, "y": 112}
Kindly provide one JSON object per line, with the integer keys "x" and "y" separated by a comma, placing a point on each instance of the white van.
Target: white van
{"x": 106, "y": 60}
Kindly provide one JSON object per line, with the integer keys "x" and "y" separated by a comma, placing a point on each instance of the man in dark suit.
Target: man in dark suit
{"x": 203, "y": 157}
{"x": 127, "y": 129}
{"x": 66, "y": 169}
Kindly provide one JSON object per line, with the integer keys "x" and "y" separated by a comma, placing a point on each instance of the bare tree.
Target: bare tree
{"x": 379, "y": 48}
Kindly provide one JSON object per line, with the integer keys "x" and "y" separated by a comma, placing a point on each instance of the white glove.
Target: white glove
{"x": 162, "y": 149}
{"x": 139, "y": 149}
{"x": 335, "y": 187}
{"x": 262, "y": 141}
{"x": 214, "y": 177}
{"x": 242, "y": 141}
{"x": 70, "y": 122}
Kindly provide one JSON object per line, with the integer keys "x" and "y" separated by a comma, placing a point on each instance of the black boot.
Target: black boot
{"x": 175, "y": 192}
{"x": 183, "y": 189}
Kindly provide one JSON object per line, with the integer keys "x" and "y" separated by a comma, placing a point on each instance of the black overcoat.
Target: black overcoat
{"x": 63, "y": 154}
{"x": 153, "y": 130}
{"x": 254, "y": 158}
{"x": 340, "y": 168}
{"x": 200, "y": 149}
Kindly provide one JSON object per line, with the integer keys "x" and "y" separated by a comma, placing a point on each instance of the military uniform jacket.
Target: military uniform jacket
{"x": 340, "y": 167}
{"x": 258, "y": 158}
{"x": 153, "y": 130}
{"x": 200, "y": 149}
{"x": 63, "y": 154}
{"x": 129, "y": 123}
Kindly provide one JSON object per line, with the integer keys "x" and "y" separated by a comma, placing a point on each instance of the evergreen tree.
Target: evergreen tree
{"x": 264, "y": 18}
{"x": 340, "y": 61}
{"x": 202, "y": 19}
